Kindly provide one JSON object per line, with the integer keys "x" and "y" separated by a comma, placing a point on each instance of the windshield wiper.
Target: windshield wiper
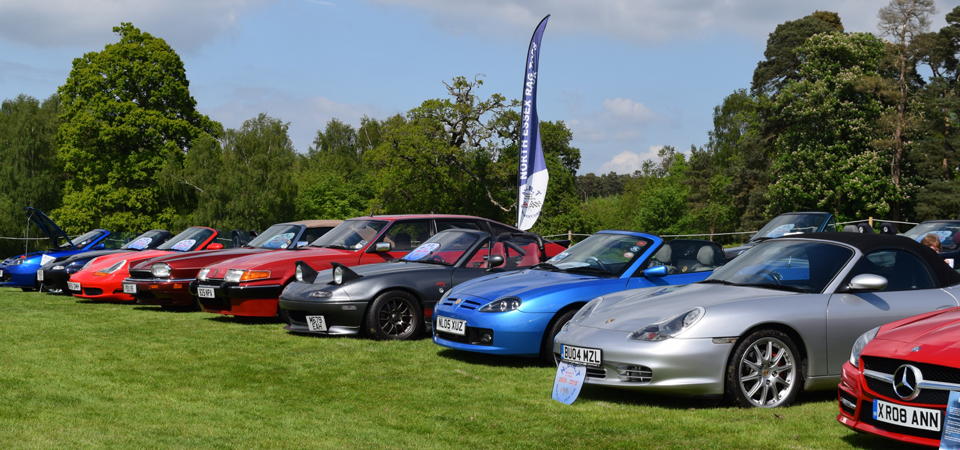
{"x": 428, "y": 261}
{"x": 547, "y": 266}
{"x": 336, "y": 246}
{"x": 590, "y": 270}
{"x": 780, "y": 287}
{"x": 723, "y": 282}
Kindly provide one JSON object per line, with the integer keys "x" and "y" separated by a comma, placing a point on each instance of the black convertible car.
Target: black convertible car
{"x": 391, "y": 300}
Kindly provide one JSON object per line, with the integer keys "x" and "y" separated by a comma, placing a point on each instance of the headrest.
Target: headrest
{"x": 888, "y": 228}
{"x": 665, "y": 254}
{"x": 851, "y": 229}
{"x": 705, "y": 255}
{"x": 864, "y": 228}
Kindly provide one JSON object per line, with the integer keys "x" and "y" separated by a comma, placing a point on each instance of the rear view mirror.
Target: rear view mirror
{"x": 99, "y": 247}
{"x": 383, "y": 247}
{"x": 658, "y": 271}
{"x": 302, "y": 244}
{"x": 495, "y": 261}
{"x": 215, "y": 246}
{"x": 867, "y": 282}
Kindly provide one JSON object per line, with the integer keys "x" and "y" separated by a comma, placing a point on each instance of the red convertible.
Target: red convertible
{"x": 899, "y": 379}
{"x": 251, "y": 286}
{"x": 165, "y": 281}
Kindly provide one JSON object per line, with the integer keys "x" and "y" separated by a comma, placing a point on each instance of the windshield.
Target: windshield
{"x": 785, "y": 224}
{"x": 351, "y": 234}
{"x": 610, "y": 253}
{"x": 84, "y": 239}
{"x": 806, "y": 266}
{"x": 187, "y": 240}
{"x": 945, "y": 231}
{"x": 444, "y": 248}
{"x": 277, "y": 236}
{"x": 143, "y": 241}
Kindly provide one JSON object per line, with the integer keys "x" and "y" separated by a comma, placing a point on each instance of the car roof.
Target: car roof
{"x": 867, "y": 242}
{"x": 421, "y": 216}
{"x": 318, "y": 223}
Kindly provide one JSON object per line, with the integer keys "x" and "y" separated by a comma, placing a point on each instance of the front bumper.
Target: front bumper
{"x": 342, "y": 317}
{"x": 514, "y": 333}
{"x": 238, "y": 300}
{"x": 56, "y": 280}
{"x": 100, "y": 289}
{"x": 21, "y": 275}
{"x": 682, "y": 367}
{"x": 859, "y": 416}
{"x": 162, "y": 291}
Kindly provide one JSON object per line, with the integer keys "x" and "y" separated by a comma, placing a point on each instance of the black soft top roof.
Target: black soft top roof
{"x": 867, "y": 243}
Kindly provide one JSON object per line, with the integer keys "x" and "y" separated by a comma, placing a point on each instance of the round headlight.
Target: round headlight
{"x": 160, "y": 270}
{"x": 502, "y": 305}
{"x": 299, "y": 273}
{"x": 338, "y": 275}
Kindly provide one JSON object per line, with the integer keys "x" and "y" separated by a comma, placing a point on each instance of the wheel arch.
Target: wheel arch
{"x": 571, "y": 307}
{"x": 785, "y": 329}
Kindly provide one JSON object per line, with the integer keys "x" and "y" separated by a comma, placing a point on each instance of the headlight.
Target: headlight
{"x": 502, "y": 305}
{"x": 669, "y": 328}
{"x": 338, "y": 275}
{"x": 111, "y": 269}
{"x": 88, "y": 263}
{"x": 58, "y": 267}
{"x": 587, "y": 309}
{"x": 202, "y": 276}
{"x": 160, "y": 270}
{"x": 321, "y": 294}
{"x": 858, "y": 346}
{"x": 240, "y": 275}
{"x": 17, "y": 261}
{"x": 299, "y": 274}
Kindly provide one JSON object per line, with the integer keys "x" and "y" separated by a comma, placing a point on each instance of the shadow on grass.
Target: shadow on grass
{"x": 870, "y": 441}
{"x": 490, "y": 360}
{"x": 242, "y": 320}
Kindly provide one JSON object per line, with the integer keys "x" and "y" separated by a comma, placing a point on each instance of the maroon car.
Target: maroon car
{"x": 251, "y": 285}
{"x": 165, "y": 281}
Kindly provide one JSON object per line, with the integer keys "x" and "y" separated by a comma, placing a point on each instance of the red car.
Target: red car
{"x": 899, "y": 378}
{"x": 251, "y": 286}
{"x": 165, "y": 281}
{"x": 102, "y": 278}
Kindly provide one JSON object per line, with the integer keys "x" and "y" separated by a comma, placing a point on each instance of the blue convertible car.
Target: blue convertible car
{"x": 21, "y": 271}
{"x": 519, "y": 313}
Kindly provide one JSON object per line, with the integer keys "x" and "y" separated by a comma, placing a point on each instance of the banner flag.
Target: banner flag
{"x": 532, "y": 185}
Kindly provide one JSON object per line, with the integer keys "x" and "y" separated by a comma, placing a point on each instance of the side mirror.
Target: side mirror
{"x": 867, "y": 282}
{"x": 494, "y": 261}
{"x": 302, "y": 244}
{"x": 215, "y": 246}
{"x": 659, "y": 271}
{"x": 99, "y": 247}
{"x": 383, "y": 247}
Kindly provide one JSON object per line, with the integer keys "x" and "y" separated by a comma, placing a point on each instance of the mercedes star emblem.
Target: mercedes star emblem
{"x": 906, "y": 381}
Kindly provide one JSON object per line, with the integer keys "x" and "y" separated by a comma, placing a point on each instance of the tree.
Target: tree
{"x": 331, "y": 179}
{"x": 127, "y": 112}
{"x": 30, "y": 172}
{"x": 655, "y": 200}
{"x": 903, "y": 20}
{"x": 824, "y": 158}
{"x": 781, "y": 64}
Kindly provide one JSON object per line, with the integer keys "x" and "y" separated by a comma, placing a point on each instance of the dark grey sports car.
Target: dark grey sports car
{"x": 391, "y": 300}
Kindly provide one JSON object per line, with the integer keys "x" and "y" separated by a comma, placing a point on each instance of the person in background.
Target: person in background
{"x": 933, "y": 241}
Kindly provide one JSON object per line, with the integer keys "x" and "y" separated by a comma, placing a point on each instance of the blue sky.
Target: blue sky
{"x": 626, "y": 76}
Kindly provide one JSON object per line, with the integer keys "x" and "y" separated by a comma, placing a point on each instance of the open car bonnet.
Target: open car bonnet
{"x": 48, "y": 227}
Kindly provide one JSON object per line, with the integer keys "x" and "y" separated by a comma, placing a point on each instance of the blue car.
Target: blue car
{"x": 21, "y": 271}
{"x": 519, "y": 313}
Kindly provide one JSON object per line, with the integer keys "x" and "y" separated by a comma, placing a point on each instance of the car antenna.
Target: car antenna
{"x": 375, "y": 209}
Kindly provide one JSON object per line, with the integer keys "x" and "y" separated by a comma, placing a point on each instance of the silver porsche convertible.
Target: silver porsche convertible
{"x": 780, "y": 318}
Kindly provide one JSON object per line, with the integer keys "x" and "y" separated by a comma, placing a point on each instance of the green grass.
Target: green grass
{"x": 75, "y": 374}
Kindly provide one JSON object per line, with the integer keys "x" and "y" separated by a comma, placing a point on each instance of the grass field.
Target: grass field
{"x": 75, "y": 374}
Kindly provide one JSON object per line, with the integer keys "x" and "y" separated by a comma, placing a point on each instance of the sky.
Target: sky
{"x": 626, "y": 76}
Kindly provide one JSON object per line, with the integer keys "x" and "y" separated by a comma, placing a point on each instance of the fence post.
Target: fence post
{"x": 570, "y": 235}
{"x": 870, "y": 221}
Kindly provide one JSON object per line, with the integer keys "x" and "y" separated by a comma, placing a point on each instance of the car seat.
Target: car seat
{"x": 532, "y": 255}
{"x": 665, "y": 257}
{"x": 706, "y": 257}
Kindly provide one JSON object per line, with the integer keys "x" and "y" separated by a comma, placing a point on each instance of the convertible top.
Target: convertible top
{"x": 867, "y": 243}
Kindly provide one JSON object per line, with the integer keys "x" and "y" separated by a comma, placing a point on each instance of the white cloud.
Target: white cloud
{"x": 184, "y": 24}
{"x": 624, "y": 108}
{"x": 627, "y": 162}
{"x": 305, "y": 115}
{"x": 640, "y": 21}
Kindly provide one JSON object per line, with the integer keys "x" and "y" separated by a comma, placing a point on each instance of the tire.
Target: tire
{"x": 764, "y": 371}
{"x": 546, "y": 347}
{"x": 26, "y": 289}
{"x": 394, "y": 315}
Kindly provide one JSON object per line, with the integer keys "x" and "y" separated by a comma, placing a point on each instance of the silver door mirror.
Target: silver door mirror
{"x": 383, "y": 247}
{"x": 867, "y": 282}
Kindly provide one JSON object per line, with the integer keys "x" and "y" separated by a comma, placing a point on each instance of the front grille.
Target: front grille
{"x": 635, "y": 374}
{"x": 297, "y": 317}
{"x": 597, "y": 373}
{"x": 472, "y": 336}
{"x": 145, "y": 274}
{"x": 845, "y": 406}
{"x": 931, "y": 372}
{"x": 92, "y": 291}
{"x": 465, "y": 304}
{"x": 866, "y": 416}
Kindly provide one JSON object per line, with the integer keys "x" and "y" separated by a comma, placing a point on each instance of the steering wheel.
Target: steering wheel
{"x": 772, "y": 274}
{"x": 437, "y": 258}
{"x": 599, "y": 264}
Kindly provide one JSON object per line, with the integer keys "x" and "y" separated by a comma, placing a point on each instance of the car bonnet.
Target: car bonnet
{"x": 524, "y": 284}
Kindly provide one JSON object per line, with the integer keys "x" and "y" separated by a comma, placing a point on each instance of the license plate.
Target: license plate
{"x": 205, "y": 292}
{"x": 316, "y": 323}
{"x": 1, "y": 273}
{"x": 452, "y": 326}
{"x": 73, "y": 285}
{"x": 907, "y": 416}
{"x": 40, "y": 275}
{"x": 129, "y": 289}
{"x": 580, "y": 355}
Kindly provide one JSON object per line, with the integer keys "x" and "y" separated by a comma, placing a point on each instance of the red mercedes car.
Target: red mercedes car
{"x": 102, "y": 278}
{"x": 165, "y": 281}
{"x": 251, "y": 286}
{"x": 899, "y": 377}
